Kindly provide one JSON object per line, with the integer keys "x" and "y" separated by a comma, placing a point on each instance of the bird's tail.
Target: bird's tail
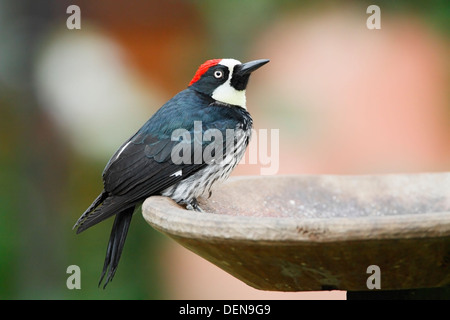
{"x": 103, "y": 207}
{"x": 115, "y": 245}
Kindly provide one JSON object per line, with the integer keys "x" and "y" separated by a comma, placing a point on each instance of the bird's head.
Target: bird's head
{"x": 225, "y": 80}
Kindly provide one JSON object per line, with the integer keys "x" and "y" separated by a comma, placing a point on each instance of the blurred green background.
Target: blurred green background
{"x": 347, "y": 100}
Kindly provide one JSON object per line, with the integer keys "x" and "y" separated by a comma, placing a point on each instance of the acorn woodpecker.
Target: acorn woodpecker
{"x": 192, "y": 141}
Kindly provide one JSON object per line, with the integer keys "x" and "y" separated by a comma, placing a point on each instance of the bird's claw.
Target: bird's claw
{"x": 193, "y": 205}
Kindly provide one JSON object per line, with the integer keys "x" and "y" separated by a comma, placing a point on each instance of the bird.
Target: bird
{"x": 155, "y": 161}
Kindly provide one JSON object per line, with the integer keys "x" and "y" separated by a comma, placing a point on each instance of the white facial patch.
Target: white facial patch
{"x": 225, "y": 92}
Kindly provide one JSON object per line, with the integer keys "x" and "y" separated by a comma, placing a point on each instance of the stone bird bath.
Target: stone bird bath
{"x": 299, "y": 233}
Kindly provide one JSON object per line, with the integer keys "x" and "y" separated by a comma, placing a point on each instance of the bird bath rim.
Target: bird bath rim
{"x": 170, "y": 218}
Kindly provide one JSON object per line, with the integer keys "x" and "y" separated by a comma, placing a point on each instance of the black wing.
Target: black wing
{"x": 139, "y": 170}
{"x": 135, "y": 172}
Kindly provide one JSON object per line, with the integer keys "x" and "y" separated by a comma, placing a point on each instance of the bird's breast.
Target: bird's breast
{"x": 201, "y": 182}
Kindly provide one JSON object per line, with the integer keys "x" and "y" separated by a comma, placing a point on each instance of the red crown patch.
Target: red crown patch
{"x": 203, "y": 68}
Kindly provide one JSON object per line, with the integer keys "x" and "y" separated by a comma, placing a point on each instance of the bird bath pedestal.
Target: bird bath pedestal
{"x": 301, "y": 233}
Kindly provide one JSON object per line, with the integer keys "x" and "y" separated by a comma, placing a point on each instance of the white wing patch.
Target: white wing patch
{"x": 179, "y": 173}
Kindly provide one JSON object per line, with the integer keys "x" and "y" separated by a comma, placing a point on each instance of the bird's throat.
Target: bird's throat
{"x": 227, "y": 94}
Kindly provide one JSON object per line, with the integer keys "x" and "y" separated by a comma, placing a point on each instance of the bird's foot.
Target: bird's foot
{"x": 193, "y": 205}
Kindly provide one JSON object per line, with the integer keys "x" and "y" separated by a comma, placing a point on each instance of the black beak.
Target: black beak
{"x": 249, "y": 67}
{"x": 242, "y": 72}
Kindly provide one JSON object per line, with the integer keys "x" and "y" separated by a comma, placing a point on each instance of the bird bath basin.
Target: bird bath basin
{"x": 299, "y": 233}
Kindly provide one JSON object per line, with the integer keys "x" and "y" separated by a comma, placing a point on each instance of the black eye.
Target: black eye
{"x": 218, "y": 74}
